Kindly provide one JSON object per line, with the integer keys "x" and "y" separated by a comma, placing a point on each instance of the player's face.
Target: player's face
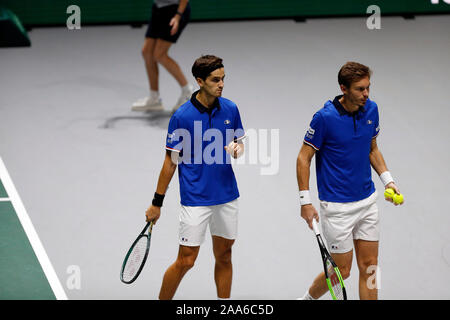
{"x": 358, "y": 93}
{"x": 213, "y": 85}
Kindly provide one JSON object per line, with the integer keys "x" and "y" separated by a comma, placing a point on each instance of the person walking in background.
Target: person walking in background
{"x": 169, "y": 18}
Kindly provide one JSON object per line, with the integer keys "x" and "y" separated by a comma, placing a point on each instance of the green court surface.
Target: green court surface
{"x": 3, "y": 193}
{"x": 21, "y": 275}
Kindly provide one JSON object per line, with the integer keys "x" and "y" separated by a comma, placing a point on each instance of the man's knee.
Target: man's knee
{"x": 147, "y": 52}
{"x": 186, "y": 263}
{"x": 186, "y": 258}
{"x": 345, "y": 271}
{"x": 223, "y": 257}
{"x": 367, "y": 266}
{"x": 159, "y": 55}
{"x": 222, "y": 250}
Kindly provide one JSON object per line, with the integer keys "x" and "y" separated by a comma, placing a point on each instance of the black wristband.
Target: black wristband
{"x": 158, "y": 200}
{"x": 180, "y": 13}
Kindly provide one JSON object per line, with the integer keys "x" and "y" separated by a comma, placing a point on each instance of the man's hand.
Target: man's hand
{"x": 397, "y": 191}
{"x": 235, "y": 149}
{"x": 174, "y": 23}
{"x": 152, "y": 214}
{"x": 308, "y": 212}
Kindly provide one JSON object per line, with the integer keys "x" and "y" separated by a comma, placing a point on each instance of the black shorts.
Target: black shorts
{"x": 159, "y": 27}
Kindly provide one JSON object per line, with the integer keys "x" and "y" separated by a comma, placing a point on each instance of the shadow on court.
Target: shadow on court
{"x": 155, "y": 119}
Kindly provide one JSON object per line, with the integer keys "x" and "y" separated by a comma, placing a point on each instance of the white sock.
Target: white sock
{"x": 154, "y": 94}
{"x": 187, "y": 89}
{"x": 307, "y": 296}
{"x": 223, "y": 298}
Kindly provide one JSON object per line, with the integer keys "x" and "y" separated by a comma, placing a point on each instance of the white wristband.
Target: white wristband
{"x": 386, "y": 178}
{"x": 305, "y": 197}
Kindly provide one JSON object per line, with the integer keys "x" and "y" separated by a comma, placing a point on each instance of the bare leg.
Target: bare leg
{"x": 367, "y": 258}
{"x": 175, "y": 273}
{"x": 160, "y": 53}
{"x": 223, "y": 272}
{"x": 151, "y": 64}
{"x": 344, "y": 263}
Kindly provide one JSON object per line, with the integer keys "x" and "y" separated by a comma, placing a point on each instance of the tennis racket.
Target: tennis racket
{"x": 332, "y": 274}
{"x": 136, "y": 256}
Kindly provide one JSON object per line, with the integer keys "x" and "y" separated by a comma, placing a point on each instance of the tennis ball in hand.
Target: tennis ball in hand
{"x": 398, "y": 198}
{"x": 389, "y": 193}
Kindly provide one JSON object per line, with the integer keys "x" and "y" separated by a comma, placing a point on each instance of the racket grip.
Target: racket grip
{"x": 315, "y": 227}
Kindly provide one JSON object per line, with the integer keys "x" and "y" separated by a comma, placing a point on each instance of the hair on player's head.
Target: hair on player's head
{"x": 352, "y": 72}
{"x": 204, "y": 65}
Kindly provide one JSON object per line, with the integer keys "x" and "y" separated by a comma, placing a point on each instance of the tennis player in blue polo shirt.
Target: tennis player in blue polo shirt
{"x": 203, "y": 133}
{"x": 343, "y": 136}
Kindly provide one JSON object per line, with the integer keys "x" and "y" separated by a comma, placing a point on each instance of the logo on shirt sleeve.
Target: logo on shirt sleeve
{"x": 170, "y": 136}
{"x": 310, "y": 133}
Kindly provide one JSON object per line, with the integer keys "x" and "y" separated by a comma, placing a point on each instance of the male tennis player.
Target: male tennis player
{"x": 343, "y": 136}
{"x": 168, "y": 20}
{"x": 200, "y": 132}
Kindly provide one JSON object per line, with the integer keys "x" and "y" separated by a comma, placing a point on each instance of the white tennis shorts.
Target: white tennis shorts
{"x": 344, "y": 222}
{"x": 222, "y": 220}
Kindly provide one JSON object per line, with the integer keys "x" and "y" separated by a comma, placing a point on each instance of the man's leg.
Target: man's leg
{"x": 172, "y": 278}
{"x": 367, "y": 258}
{"x": 344, "y": 263}
{"x": 223, "y": 272}
{"x": 161, "y": 55}
{"x": 148, "y": 53}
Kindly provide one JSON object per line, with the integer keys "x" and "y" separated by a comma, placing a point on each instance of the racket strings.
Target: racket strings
{"x": 335, "y": 283}
{"x": 135, "y": 259}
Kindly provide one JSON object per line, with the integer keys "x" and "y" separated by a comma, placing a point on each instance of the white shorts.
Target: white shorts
{"x": 222, "y": 220}
{"x": 344, "y": 222}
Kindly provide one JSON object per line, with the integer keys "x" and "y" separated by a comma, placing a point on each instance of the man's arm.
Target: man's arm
{"x": 165, "y": 176}
{"x": 308, "y": 212}
{"x": 182, "y": 5}
{"x": 376, "y": 158}
{"x": 379, "y": 165}
{"x": 175, "y": 21}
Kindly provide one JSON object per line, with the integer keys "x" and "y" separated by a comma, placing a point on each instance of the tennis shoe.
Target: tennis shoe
{"x": 148, "y": 104}
{"x": 185, "y": 96}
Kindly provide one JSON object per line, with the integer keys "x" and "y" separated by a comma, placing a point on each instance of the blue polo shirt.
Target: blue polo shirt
{"x": 200, "y": 134}
{"x": 342, "y": 141}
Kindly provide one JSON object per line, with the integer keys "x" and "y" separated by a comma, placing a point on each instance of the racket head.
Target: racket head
{"x": 332, "y": 274}
{"x": 334, "y": 280}
{"x": 136, "y": 256}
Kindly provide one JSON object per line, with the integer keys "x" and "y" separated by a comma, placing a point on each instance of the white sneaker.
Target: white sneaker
{"x": 185, "y": 96}
{"x": 148, "y": 104}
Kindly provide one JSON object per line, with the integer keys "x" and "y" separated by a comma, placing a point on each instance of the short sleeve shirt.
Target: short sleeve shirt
{"x": 200, "y": 134}
{"x": 342, "y": 141}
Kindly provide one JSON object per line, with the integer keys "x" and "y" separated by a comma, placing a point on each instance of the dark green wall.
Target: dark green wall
{"x": 51, "y": 12}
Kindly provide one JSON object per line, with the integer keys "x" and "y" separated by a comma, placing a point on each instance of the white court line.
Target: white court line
{"x": 31, "y": 233}
{"x": 4, "y": 199}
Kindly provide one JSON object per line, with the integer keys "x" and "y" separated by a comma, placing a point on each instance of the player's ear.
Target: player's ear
{"x": 200, "y": 82}
{"x": 344, "y": 89}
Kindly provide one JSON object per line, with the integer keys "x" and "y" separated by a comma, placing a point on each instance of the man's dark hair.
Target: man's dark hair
{"x": 204, "y": 65}
{"x": 352, "y": 72}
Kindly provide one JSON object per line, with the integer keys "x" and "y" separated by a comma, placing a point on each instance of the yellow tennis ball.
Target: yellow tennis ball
{"x": 389, "y": 193}
{"x": 398, "y": 198}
